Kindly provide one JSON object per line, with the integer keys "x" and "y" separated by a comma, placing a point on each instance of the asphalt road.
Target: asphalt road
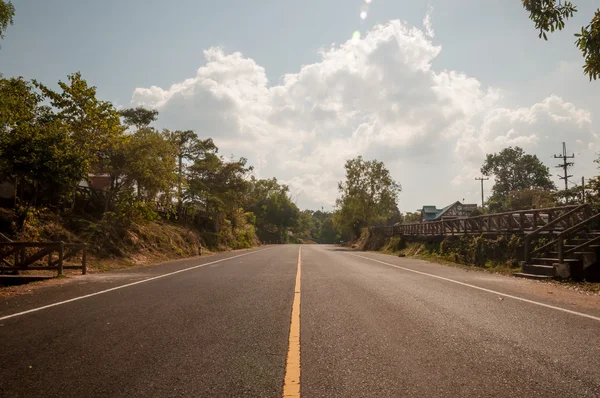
{"x": 370, "y": 326}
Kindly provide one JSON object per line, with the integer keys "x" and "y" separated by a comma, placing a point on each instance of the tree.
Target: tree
{"x": 36, "y": 150}
{"x": 412, "y": 217}
{"x": 139, "y": 117}
{"x": 218, "y": 187}
{"x": 513, "y": 171}
{"x": 7, "y": 12}
{"x": 329, "y": 233}
{"x": 549, "y": 16}
{"x": 528, "y": 199}
{"x": 151, "y": 162}
{"x": 188, "y": 147}
{"x": 368, "y": 195}
{"x": 275, "y": 212}
{"x": 92, "y": 123}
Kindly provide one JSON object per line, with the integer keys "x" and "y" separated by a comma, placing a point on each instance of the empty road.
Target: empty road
{"x": 310, "y": 321}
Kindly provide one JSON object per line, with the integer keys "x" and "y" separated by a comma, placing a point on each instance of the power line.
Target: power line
{"x": 565, "y": 165}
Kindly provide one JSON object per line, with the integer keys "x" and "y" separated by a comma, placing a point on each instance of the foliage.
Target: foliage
{"x": 548, "y": 16}
{"x": 479, "y": 251}
{"x": 36, "y": 150}
{"x": 92, "y": 124}
{"x": 139, "y": 117}
{"x": 515, "y": 171}
{"x": 150, "y": 162}
{"x": 189, "y": 148}
{"x": 276, "y": 214}
{"x": 368, "y": 195}
{"x": 412, "y": 217}
{"x": 7, "y": 13}
{"x": 522, "y": 200}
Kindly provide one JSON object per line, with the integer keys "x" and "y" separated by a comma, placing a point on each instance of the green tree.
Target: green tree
{"x": 368, "y": 195}
{"x": 7, "y": 12}
{"x": 139, "y": 117}
{"x": 151, "y": 163}
{"x": 550, "y": 15}
{"x": 190, "y": 148}
{"x": 514, "y": 171}
{"x": 411, "y": 217}
{"x": 217, "y": 187}
{"x": 93, "y": 124}
{"x": 36, "y": 150}
{"x": 276, "y": 214}
{"x": 528, "y": 199}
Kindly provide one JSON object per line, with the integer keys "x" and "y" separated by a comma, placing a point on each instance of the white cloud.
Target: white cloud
{"x": 378, "y": 97}
{"x": 427, "y": 23}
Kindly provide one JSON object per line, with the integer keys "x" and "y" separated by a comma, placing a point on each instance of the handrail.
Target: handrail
{"x": 528, "y": 211}
{"x": 24, "y": 261}
{"x": 583, "y": 245}
{"x": 555, "y": 221}
{"x": 568, "y": 231}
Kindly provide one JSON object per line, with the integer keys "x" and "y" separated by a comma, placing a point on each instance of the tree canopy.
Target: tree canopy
{"x": 514, "y": 170}
{"x": 7, "y": 13}
{"x": 550, "y": 15}
{"x": 367, "y": 196}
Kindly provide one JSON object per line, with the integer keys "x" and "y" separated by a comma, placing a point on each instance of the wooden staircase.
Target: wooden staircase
{"x": 570, "y": 250}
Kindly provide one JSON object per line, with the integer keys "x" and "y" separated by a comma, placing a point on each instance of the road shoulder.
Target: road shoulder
{"x": 551, "y": 293}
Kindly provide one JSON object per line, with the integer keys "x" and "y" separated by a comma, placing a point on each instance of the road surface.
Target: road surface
{"x": 369, "y": 325}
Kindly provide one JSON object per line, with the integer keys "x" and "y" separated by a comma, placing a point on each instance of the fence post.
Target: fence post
{"x": 84, "y": 260}
{"x": 561, "y": 254}
{"x": 61, "y": 253}
{"x": 526, "y": 250}
{"x": 522, "y": 221}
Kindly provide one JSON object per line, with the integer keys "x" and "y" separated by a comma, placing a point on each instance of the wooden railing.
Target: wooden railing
{"x": 558, "y": 241}
{"x": 551, "y": 220}
{"x": 41, "y": 256}
{"x": 575, "y": 216}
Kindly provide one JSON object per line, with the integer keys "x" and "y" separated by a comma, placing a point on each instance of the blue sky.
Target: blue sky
{"x": 120, "y": 46}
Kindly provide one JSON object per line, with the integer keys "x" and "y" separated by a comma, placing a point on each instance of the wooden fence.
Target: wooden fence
{"x": 41, "y": 256}
{"x": 546, "y": 221}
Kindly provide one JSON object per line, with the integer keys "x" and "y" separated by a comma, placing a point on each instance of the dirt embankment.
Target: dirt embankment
{"x": 113, "y": 244}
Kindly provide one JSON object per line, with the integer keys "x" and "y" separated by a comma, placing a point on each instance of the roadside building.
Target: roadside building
{"x": 450, "y": 212}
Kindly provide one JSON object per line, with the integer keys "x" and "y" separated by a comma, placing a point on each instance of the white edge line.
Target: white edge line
{"x": 124, "y": 286}
{"x": 595, "y": 318}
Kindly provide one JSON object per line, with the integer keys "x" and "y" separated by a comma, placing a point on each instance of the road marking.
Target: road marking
{"x": 595, "y": 318}
{"x": 291, "y": 383}
{"x": 126, "y": 285}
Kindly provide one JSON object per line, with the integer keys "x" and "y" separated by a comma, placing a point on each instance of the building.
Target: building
{"x": 450, "y": 212}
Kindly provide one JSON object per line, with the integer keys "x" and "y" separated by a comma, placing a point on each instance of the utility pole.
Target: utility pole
{"x": 482, "y": 179}
{"x": 565, "y": 165}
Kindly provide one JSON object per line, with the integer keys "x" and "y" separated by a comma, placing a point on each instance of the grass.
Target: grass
{"x": 434, "y": 258}
{"x": 417, "y": 251}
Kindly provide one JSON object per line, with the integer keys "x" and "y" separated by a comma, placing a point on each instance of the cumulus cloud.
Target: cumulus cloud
{"x": 378, "y": 97}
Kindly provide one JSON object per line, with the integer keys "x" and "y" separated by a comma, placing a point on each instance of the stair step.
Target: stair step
{"x": 538, "y": 269}
{"x": 532, "y": 276}
{"x": 556, "y": 260}
{"x": 556, "y": 253}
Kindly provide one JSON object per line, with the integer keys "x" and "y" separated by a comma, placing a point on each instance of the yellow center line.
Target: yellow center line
{"x": 291, "y": 383}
